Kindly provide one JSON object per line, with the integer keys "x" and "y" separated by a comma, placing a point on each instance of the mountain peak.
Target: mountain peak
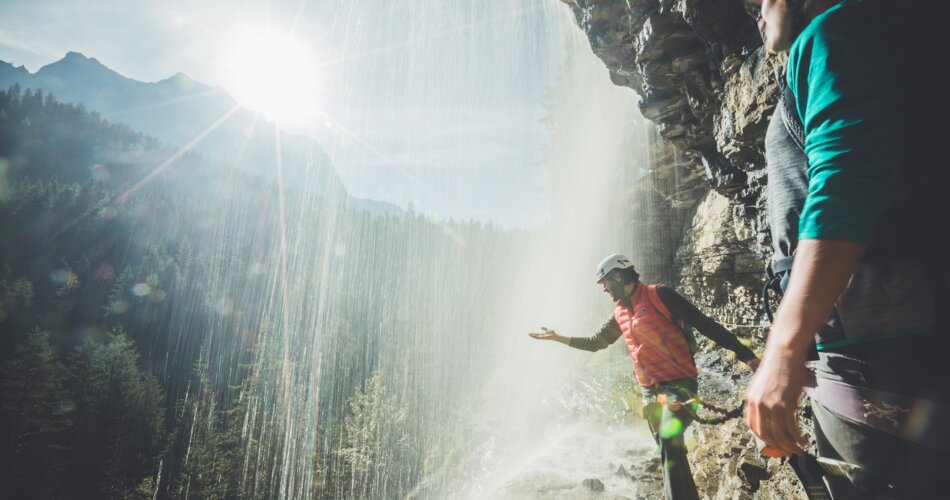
{"x": 10, "y": 72}
{"x": 73, "y": 55}
{"x": 180, "y": 78}
{"x": 76, "y": 60}
{"x": 76, "y": 65}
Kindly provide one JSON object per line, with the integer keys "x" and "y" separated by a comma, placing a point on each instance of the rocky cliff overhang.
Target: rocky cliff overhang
{"x": 702, "y": 77}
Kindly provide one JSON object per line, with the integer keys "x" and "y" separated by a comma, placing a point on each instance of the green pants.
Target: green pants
{"x": 668, "y": 422}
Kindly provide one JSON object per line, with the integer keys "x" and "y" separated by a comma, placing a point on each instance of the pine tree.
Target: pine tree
{"x": 33, "y": 417}
{"x": 119, "y": 424}
{"x": 372, "y": 440}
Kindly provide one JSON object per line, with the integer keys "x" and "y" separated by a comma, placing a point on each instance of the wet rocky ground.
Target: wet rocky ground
{"x": 609, "y": 455}
{"x": 588, "y": 461}
{"x": 593, "y": 461}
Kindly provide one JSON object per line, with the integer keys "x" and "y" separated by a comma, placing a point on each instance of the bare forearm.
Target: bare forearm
{"x": 822, "y": 271}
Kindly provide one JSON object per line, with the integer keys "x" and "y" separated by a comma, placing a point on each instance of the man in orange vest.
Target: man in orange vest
{"x": 651, "y": 318}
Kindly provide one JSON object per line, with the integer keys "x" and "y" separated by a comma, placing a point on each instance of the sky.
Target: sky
{"x": 434, "y": 103}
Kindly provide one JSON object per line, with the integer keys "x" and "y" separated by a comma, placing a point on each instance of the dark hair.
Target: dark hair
{"x": 629, "y": 275}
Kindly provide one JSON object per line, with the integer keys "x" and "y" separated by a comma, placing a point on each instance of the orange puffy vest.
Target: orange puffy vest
{"x": 657, "y": 346}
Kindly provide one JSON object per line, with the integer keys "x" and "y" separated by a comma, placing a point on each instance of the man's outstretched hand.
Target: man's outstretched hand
{"x": 548, "y": 334}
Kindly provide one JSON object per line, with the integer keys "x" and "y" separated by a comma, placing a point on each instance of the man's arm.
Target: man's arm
{"x": 607, "y": 335}
{"x": 685, "y": 310}
{"x": 822, "y": 271}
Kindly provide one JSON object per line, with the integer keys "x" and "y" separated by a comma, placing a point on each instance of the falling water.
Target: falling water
{"x": 315, "y": 345}
{"x": 386, "y": 356}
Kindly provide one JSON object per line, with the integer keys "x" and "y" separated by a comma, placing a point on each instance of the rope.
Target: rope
{"x": 734, "y": 325}
{"x": 724, "y": 414}
{"x": 693, "y": 405}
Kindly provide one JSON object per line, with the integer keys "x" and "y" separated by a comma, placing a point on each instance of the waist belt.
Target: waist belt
{"x": 920, "y": 421}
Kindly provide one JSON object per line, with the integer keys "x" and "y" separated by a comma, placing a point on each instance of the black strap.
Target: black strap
{"x": 811, "y": 475}
{"x": 775, "y": 272}
{"x": 782, "y": 265}
{"x": 790, "y": 115}
{"x": 770, "y": 284}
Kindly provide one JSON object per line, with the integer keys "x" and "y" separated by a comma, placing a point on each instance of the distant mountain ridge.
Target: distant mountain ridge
{"x": 179, "y": 109}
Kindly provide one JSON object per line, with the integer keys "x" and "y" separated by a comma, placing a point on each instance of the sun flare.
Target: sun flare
{"x": 274, "y": 76}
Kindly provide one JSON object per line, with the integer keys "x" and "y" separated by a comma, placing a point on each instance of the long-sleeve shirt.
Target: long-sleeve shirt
{"x": 680, "y": 308}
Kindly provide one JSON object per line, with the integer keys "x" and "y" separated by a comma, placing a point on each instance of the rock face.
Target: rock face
{"x": 705, "y": 81}
{"x": 699, "y": 70}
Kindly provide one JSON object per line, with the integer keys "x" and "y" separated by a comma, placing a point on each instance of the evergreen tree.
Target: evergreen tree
{"x": 373, "y": 441}
{"x": 33, "y": 417}
{"x": 119, "y": 423}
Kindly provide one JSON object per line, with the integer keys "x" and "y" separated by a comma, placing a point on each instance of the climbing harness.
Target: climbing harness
{"x": 886, "y": 412}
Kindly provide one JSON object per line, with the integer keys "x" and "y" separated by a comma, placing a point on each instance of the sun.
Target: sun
{"x": 275, "y": 76}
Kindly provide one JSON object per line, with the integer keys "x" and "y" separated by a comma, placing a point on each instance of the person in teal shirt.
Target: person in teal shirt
{"x": 868, "y": 285}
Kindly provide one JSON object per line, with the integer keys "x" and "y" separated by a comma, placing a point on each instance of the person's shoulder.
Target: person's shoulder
{"x": 664, "y": 290}
{"x": 843, "y": 21}
{"x": 852, "y": 27}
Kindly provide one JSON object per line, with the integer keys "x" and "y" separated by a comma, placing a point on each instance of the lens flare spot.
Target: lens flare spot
{"x": 671, "y": 428}
{"x": 141, "y": 289}
{"x": 62, "y": 276}
{"x": 257, "y": 269}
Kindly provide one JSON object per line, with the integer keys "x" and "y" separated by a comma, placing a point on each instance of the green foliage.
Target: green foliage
{"x": 207, "y": 461}
{"x": 16, "y": 295}
{"x": 34, "y": 414}
{"x": 119, "y": 423}
{"x": 373, "y": 440}
{"x": 91, "y": 428}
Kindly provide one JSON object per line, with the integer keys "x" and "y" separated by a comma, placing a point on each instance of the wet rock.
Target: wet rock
{"x": 593, "y": 484}
{"x": 753, "y": 470}
{"x": 623, "y": 472}
{"x": 652, "y": 466}
{"x": 723, "y": 176}
{"x": 696, "y": 67}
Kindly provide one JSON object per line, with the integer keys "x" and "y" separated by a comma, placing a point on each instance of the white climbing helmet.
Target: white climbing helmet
{"x": 615, "y": 261}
